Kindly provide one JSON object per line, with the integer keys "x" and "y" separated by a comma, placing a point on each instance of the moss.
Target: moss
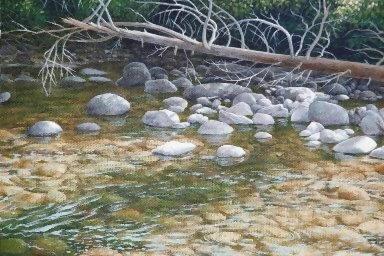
{"x": 128, "y": 214}
{"x": 13, "y": 246}
{"x": 47, "y": 245}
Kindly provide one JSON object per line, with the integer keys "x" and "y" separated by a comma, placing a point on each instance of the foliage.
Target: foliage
{"x": 347, "y": 15}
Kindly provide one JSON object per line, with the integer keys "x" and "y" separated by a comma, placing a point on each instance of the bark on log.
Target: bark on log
{"x": 330, "y": 66}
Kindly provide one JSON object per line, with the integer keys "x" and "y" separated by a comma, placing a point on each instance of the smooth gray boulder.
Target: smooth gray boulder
{"x": 197, "y": 118}
{"x": 92, "y": 72}
{"x": 227, "y": 151}
{"x": 368, "y": 95}
{"x": 175, "y": 101}
{"x": 334, "y": 89}
{"x": 182, "y": 82}
{"x": 372, "y": 123}
{"x": 220, "y": 90}
{"x": 159, "y": 86}
{"x": 4, "y": 97}
{"x": 134, "y": 74}
{"x": 158, "y": 73}
{"x": 213, "y": 127}
{"x": 330, "y": 136}
{"x": 327, "y": 113}
{"x": 174, "y": 148}
{"x": 300, "y": 114}
{"x": 313, "y": 127}
{"x": 44, "y": 129}
{"x": 204, "y": 101}
{"x": 231, "y": 118}
{"x": 206, "y": 111}
{"x": 241, "y": 109}
{"x": 108, "y": 104}
{"x": 377, "y": 153}
{"x": 262, "y": 119}
{"x": 356, "y": 145}
{"x": 297, "y": 94}
{"x": 161, "y": 118}
{"x": 86, "y": 128}
{"x": 73, "y": 81}
{"x": 245, "y": 97}
{"x": 275, "y": 110}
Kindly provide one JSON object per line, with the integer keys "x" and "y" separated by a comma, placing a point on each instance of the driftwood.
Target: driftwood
{"x": 354, "y": 69}
{"x": 202, "y": 26}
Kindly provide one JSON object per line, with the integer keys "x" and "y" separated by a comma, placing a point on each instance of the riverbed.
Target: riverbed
{"x": 67, "y": 195}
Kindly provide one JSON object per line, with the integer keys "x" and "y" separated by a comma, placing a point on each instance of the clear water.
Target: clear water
{"x": 127, "y": 211}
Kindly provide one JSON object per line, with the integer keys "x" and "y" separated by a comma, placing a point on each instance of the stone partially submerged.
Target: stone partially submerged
{"x": 227, "y": 151}
{"x": 356, "y": 145}
{"x": 159, "y": 86}
{"x": 4, "y": 97}
{"x": 231, "y": 118}
{"x": 161, "y": 118}
{"x": 108, "y": 104}
{"x": 327, "y": 113}
{"x": 174, "y": 148}
{"x": 213, "y": 127}
{"x": 45, "y": 129}
{"x": 88, "y": 128}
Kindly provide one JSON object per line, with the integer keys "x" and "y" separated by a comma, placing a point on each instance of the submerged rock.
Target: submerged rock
{"x": 372, "y": 227}
{"x": 92, "y": 72}
{"x": 26, "y": 79}
{"x": 356, "y": 145}
{"x": 230, "y": 151}
{"x": 263, "y": 136}
{"x": 161, "y": 118}
{"x": 213, "y": 127}
{"x": 4, "y": 97}
{"x": 13, "y": 246}
{"x": 108, "y": 104}
{"x": 99, "y": 80}
{"x": 159, "y": 86}
{"x": 44, "y": 129}
{"x": 174, "y": 148}
{"x": 101, "y": 252}
{"x": 88, "y": 128}
{"x": 349, "y": 192}
{"x": 328, "y": 113}
{"x": 73, "y": 81}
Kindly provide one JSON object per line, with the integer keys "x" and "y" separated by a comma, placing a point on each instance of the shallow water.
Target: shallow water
{"x": 161, "y": 207}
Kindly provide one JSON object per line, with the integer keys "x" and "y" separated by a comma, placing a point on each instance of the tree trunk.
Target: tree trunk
{"x": 329, "y": 66}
